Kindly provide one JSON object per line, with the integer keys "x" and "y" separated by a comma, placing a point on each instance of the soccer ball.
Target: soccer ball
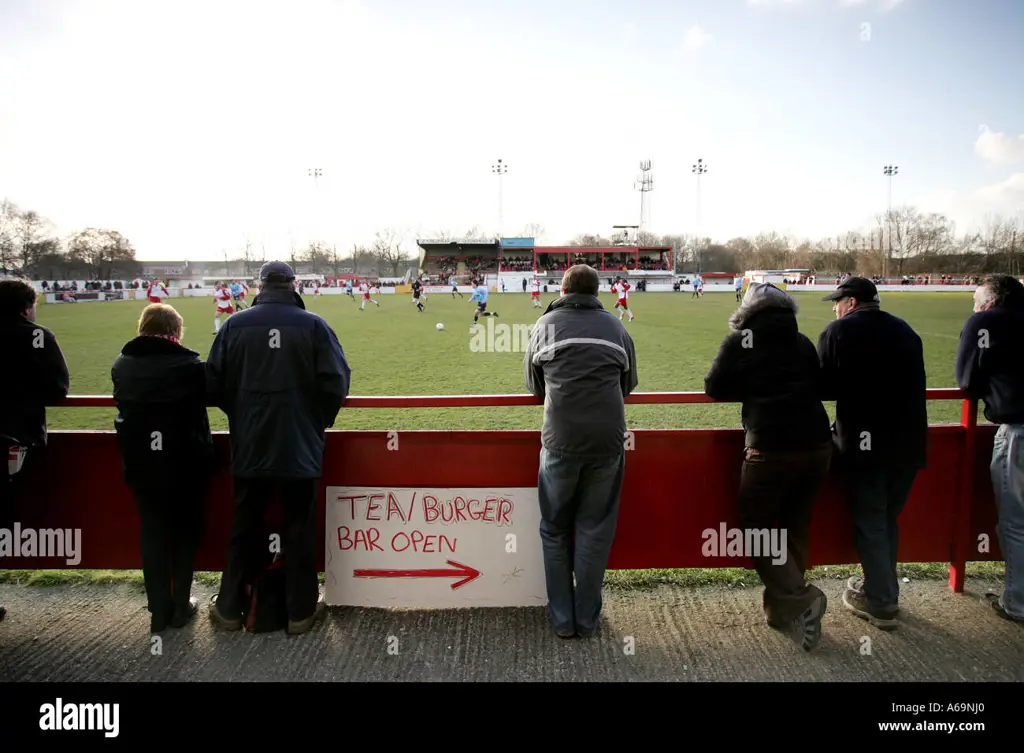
{"x": 440, "y": 326}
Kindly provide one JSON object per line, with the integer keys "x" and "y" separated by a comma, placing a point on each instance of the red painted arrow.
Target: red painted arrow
{"x": 461, "y": 571}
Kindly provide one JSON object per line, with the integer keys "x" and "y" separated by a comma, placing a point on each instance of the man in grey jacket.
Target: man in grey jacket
{"x": 582, "y": 364}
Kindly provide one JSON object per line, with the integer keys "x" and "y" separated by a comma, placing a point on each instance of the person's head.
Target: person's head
{"x": 581, "y": 279}
{"x": 997, "y": 291}
{"x": 853, "y": 293}
{"x": 758, "y": 291}
{"x": 17, "y": 298}
{"x": 276, "y": 275}
{"x": 160, "y": 320}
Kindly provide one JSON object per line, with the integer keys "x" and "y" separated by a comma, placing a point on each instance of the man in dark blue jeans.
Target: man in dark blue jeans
{"x": 990, "y": 366}
{"x": 873, "y": 367}
{"x": 582, "y": 364}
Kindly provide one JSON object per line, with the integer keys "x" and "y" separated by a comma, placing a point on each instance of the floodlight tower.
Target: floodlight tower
{"x": 699, "y": 169}
{"x": 645, "y": 184}
{"x": 888, "y": 171}
{"x": 316, "y": 173}
{"x": 500, "y": 169}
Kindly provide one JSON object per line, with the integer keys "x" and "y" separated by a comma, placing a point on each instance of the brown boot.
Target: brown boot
{"x": 857, "y": 603}
{"x": 298, "y": 627}
{"x": 220, "y": 620}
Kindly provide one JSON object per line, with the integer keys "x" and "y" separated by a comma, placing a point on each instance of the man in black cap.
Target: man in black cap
{"x": 873, "y": 367}
{"x": 280, "y": 375}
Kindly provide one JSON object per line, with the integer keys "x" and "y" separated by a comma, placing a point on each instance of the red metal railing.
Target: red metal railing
{"x": 960, "y": 546}
{"x": 502, "y": 401}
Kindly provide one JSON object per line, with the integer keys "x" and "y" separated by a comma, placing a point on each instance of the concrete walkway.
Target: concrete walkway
{"x": 100, "y": 633}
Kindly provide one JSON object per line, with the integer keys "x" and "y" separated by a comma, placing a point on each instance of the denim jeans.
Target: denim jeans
{"x": 1007, "y": 470}
{"x": 579, "y": 508}
{"x": 877, "y": 497}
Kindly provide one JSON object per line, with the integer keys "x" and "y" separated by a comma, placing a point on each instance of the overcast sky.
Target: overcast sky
{"x": 190, "y": 126}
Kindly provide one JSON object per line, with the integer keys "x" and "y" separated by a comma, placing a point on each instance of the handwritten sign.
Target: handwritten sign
{"x": 433, "y": 548}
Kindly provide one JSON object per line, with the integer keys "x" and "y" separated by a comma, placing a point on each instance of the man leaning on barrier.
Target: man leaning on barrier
{"x": 581, "y": 362}
{"x": 770, "y": 367}
{"x": 990, "y": 366}
{"x": 34, "y": 375}
{"x": 279, "y": 374}
{"x": 873, "y": 367}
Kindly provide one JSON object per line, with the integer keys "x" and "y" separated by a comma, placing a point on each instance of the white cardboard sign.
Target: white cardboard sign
{"x": 433, "y": 548}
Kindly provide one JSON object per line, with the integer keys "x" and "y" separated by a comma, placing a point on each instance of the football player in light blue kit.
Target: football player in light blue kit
{"x": 236, "y": 296}
{"x": 480, "y": 294}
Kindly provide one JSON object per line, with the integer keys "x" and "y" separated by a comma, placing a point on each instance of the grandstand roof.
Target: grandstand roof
{"x": 437, "y": 243}
{"x": 598, "y": 249}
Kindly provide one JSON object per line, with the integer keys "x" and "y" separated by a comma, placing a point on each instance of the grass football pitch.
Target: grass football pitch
{"x": 396, "y": 350}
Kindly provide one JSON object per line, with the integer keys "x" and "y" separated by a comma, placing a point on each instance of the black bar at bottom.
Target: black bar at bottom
{"x": 103, "y": 715}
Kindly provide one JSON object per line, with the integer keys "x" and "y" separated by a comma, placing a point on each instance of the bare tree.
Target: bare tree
{"x": 9, "y": 216}
{"x": 386, "y": 249}
{"x": 360, "y": 256}
{"x": 106, "y": 254}
{"x": 335, "y": 261}
{"x": 317, "y": 255}
{"x": 533, "y": 230}
{"x": 744, "y": 251}
{"x": 772, "y": 250}
{"x": 647, "y": 238}
{"x": 896, "y": 225}
{"x": 586, "y": 240}
{"x": 30, "y": 229}
{"x": 248, "y": 258}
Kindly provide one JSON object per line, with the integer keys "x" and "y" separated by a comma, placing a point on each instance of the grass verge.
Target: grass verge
{"x": 618, "y": 580}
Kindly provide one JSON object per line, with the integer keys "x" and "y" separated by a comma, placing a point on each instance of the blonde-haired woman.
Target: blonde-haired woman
{"x": 167, "y": 453}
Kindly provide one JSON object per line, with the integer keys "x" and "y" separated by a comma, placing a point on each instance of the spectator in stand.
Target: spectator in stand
{"x": 164, "y": 433}
{"x": 581, "y": 362}
{"x": 34, "y": 376}
{"x": 873, "y": 367}
{"x": 990, "y": 366}
{"x": 279, "y": 374}
{"x": 773, "y": 369}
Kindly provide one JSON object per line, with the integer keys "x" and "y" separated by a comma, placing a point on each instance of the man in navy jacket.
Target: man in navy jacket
{"x": 279, "y": 374}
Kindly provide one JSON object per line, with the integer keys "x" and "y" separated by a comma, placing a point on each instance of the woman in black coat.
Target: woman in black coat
{"x": 163, "y": 432}
{"x": 773, "y": 370}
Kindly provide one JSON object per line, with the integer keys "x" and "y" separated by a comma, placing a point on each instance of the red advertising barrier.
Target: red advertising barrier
{"x": 77, "y": 485}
